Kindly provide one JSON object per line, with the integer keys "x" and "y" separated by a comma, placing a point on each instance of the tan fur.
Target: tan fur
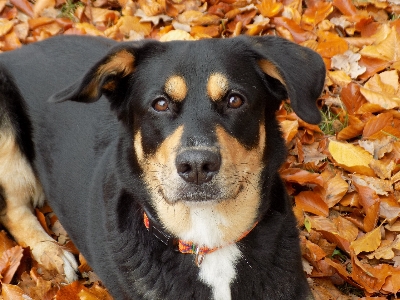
{"x": 154, "y": 169}
{"x": 176, "y": 88}
{"x": 242, "y": 210}
{"x": 270, "y": 69}
{"x": 211, "y": 223}
{"x": 217, "y": 86}
{"x": 121, "y": 63}
{"x": 22, "y": 192}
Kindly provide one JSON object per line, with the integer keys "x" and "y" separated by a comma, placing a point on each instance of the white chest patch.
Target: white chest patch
{"x": 218, "y": 270}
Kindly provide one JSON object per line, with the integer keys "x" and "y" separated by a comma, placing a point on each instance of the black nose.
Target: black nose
{"x": 197, "y": 166}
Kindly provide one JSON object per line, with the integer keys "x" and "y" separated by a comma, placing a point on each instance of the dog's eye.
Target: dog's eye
{"x": 160, "y": 104}
{"x": 235, "y": 101}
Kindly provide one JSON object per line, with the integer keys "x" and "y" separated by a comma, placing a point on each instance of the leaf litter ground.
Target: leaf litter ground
{"x": 344, "y": 175}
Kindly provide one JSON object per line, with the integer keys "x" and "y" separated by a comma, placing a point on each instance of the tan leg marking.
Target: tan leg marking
{"x": 22, "y": 192}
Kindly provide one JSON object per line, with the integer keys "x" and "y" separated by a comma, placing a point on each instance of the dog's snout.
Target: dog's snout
{"x": 198, "y": 166}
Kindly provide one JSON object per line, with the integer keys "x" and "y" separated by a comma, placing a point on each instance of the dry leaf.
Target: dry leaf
{"x": 335, "y": 189}
{"x": 350, "y": 157}
{"x": 311, "y": 202}
{"x": 367, "y": 243}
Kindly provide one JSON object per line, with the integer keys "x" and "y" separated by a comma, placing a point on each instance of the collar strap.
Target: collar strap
{"x": 179, "y": 245}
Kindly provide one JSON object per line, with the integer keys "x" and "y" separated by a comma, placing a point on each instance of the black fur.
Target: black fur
{"x": 86, "y": 162}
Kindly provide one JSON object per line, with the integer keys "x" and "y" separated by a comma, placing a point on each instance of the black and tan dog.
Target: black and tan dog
{"x": 162, "y": 165}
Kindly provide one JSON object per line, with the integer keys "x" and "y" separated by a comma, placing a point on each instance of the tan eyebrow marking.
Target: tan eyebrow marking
{"x": 176, "y": 88}
{"x": 217, "y": 86}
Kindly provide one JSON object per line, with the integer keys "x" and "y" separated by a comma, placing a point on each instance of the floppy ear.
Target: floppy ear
{"x": 103, "y": 78}
{"x": 300, "y": 70}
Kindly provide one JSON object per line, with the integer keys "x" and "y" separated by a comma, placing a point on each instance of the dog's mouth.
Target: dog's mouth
{"x": 192, "y": 193}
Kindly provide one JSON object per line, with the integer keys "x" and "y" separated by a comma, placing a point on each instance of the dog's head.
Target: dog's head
{"x": 201, "y": 116}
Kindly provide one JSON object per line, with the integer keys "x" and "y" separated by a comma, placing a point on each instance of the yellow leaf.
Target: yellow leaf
{"x": 339, "y": 77}
{"x": 383, "y": 90}
{"x": 5, "y": 27}
{"x": 386, "y": 45}
{"x": 351, "y": 158}
{"x": 176, "y": 35}
{"x": 89, "y": 29}
{"x": 269, "y": 8}
{"x": 369, "y": 242}
{"x": 40, "y": 5}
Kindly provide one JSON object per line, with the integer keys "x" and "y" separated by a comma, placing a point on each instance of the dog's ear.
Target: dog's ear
{"x": 103, "y": 78}
{"x": 300, "y": 70}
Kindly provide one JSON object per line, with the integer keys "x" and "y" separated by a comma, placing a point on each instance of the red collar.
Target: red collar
{"x": 179, "y": 245}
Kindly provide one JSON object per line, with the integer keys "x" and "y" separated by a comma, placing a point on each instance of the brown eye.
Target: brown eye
{"x": 160, "y": 104}
{"x": 235, "y": 101}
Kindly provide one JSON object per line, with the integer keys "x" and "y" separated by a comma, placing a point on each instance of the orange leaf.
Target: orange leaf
{"x": 70, "y": 291}
{"x": 377, "y": 123}
{"x": 373, "y": 65}
{"x": 206, "y": 31}
{"x": 352, "y": 98}
{"x": 299, "y": 34}
{"x": 24, "y": 6}
{"x": 313, "y": 252}
{"x": 269, "y": 8}
{"x": 311, "y": 202}
{"x": 369, "y": 200}
{"x": 335, "y": 189}
{"x": 12, "y": 292}
{"x": 9, "y": 263}
{"x": 346, "y": 7}
{"x": 42, "y": 220}
{"x": 330, "y": 232}
{"x": 330, "y": 45}
{"x": 289, "y": 129}
{"x": 301, "y": 176}
{"x": 314, "y": 15}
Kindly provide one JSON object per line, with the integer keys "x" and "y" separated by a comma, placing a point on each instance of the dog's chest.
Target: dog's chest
{"x": 218, "y": 270}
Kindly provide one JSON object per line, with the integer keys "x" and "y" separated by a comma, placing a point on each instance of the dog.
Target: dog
{"x": 160, "y": 160}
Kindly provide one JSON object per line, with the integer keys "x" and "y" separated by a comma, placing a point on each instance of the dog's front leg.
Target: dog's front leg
{"x": 21, "y": 191}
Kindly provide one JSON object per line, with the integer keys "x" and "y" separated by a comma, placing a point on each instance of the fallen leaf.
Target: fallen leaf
{"x": 367, "y": 243}
{"x": 350, "y": 157}
{"x": 335, "y": 189}
{"x": 311, "y": 202}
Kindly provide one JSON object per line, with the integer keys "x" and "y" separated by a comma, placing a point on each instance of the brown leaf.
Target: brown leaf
{"x": 335, "y": 189}
{"x": 377, "y": 123}
{"x": 9, "y": 263}
{"x": 369, "y": 200}
{"x": 346, "y": 7}
{"x": 12, "y": 292}
{"x": 24, "y": 6}
{"x": 301, "y": 176}
{"x": 299, "y": 35}
{"x": 352, "y": 98}
{"x": 311, "y": 202}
